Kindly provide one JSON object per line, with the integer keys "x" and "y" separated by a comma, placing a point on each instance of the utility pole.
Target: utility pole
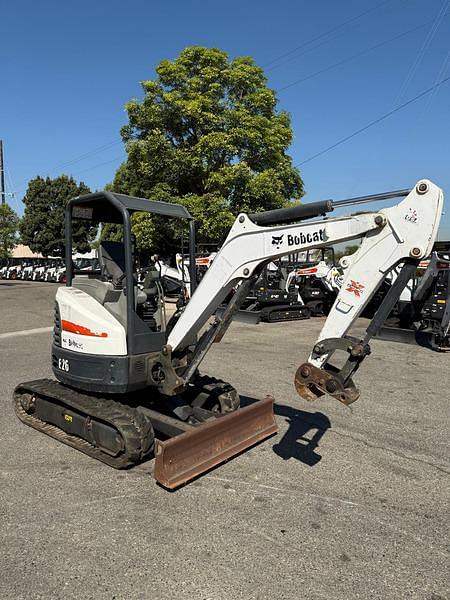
{"x": 2, "y": 175}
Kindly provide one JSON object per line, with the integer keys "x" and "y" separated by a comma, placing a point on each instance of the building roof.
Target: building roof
{"x": 21, "y": 251}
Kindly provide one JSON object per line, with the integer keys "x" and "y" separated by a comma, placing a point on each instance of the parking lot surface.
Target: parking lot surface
{"x": 343, "y": 503}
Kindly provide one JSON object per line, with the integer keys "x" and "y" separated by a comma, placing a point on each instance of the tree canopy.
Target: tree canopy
{"x": 351, "y": 249}
{"x": 207, "y": 134}
{"x": 42, "y": 226}
{"x": 9, "y": 223}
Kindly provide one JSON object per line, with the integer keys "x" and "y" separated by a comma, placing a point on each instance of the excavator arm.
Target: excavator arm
{"x": 410, "y": 230}
{"x": 404, "y": 233}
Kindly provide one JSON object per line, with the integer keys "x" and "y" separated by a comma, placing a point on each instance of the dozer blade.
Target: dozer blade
{"x": 189, "y": 454}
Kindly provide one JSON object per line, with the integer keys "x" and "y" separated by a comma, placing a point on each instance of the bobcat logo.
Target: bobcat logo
{"x": 277, "y": 240}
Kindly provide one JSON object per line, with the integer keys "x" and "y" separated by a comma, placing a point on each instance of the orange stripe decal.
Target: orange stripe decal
{"x": 309, "y": 271}
{"x": 80, "y": 330}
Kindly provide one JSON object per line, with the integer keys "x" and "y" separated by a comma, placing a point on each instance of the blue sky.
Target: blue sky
{"x": 68, "y": 69}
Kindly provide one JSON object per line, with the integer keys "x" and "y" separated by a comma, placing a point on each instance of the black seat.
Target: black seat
{"x": 112, "y": 261}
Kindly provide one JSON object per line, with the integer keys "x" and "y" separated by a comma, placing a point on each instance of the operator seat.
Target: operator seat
{"x": 108, "y": 290}
{"x": 112, "y": 265}
{"x": 112, "y": 261}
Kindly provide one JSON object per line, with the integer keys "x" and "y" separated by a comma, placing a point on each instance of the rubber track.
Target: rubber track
{"x": 134, "y": 428}
{"x": 274, "y": 316}
{"x": 220, "y": 390}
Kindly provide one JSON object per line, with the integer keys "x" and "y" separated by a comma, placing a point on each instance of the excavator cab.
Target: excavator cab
{"x": 134, "y": 325}
{"x": 117, "y": 259}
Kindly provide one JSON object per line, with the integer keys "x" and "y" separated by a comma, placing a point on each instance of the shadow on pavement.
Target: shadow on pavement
{"x": 305, "y": 430}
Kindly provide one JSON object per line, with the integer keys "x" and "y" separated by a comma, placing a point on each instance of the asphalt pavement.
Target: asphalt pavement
{"x": 344, "y": 503}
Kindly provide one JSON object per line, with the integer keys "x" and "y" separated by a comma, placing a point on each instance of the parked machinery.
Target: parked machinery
{"x": 50, "y": 269}
{"x": 422, "y": 314}
{"x": 272, "y": 296}
{"x": 39, "y": 270}
{"x": 13, "y": 269}
{"x": 176, "y": 280}
{"x": 3, "y": 267}
{"x": 296, "y": 286}
{"x": 317, "y": 280}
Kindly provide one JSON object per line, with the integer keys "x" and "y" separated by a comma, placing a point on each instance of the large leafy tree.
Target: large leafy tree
{"x": 42, "y": 225}
{"x": 9, "y": 223}
{"x": 207, "y": 134}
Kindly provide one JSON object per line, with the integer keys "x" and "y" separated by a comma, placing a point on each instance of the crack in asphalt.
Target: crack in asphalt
{"x": 387, "y": 449}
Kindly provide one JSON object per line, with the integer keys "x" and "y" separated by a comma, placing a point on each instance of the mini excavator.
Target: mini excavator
{"x": 124, "y": 371}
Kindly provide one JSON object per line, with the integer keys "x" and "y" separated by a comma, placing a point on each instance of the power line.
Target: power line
{"x": 440, "y": 75}
{"x": 11, "y": 187}
{"x": 306, "y": 51}
{"x": 372, "y": 123}
{"x": 427, "y": 41}
{"x": 80, "y": 157}
{"x": 107, "y": 162}
{"x": 86, "y": 155}
{"x": 324, "y": 34}
{"x": 352, "y": 57}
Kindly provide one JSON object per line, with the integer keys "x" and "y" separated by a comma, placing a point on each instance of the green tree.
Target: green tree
{"x": 42, "y": 226}
{"x": 346, "y": 251}
{"x": 9, "y": 223}
{"x": 207, "y": 134}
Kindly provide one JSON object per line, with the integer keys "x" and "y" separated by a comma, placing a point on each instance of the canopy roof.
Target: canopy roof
{"x": 108, "y": 207}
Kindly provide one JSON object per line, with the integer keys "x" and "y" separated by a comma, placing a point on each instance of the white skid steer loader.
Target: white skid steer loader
{"x": 123, "y": 371}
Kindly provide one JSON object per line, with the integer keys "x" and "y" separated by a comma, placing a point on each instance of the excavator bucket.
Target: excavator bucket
{"x": 189, "y": 454}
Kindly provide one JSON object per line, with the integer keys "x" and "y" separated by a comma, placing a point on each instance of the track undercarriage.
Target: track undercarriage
{"x": 120, "y": 431}
{"x": 287, "y": 312}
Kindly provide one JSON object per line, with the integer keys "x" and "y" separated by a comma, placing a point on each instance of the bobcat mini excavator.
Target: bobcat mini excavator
{"x": 124, "y": 371}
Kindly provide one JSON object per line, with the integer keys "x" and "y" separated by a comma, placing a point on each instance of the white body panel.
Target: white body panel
{"x": 50, "y": 272}
{"x": 27, "y": 272}
{"x": 87, "y": 327}
{"x": 15, "y": 269}
{"x": 331, "y": 276}
{"x": 38, "y": 272}
{"x": 59, "y": 272}
{"x": 171, "y": 272}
